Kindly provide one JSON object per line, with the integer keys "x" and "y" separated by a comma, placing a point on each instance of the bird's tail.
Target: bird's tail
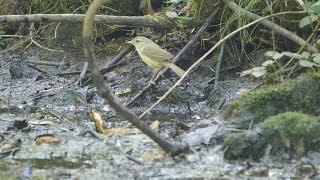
{"x": 175, "y": 68}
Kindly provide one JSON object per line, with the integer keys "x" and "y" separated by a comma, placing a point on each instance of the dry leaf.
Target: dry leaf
{"x": 48, "y": 139}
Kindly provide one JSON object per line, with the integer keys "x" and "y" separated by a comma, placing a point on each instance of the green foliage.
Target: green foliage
{"x": 59, "y": 6}
{"x": 203, "y": 8}
{"x": 257, "y": 36}
{"x": 314, "y": 13}
{"x": 305, "y": 59}
{"x": 236, "y": 20}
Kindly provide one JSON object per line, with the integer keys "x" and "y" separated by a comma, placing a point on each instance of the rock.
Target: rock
{"x": 19, "y": 69}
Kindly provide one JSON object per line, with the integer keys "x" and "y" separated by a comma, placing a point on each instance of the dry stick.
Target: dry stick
{"x": 113, "y": 20}
{"x": 105, "y": 92}
{"x": 47, "y": 63}
{"x": 82, "y": 75}
{"x": 114, "y": 61}
{"x": 103, "y": 71}
{"x": 216, "y": 80}
{"x": 284, "y": 32}
{"x": 209, "y": 52}
{"x": 177, "y": 57}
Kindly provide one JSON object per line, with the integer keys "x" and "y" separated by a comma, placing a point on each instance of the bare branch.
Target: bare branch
{"x": 113, "y": 20}
{"x": 282, "y": 31}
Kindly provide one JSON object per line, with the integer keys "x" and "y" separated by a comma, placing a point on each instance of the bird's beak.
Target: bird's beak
{"x": 130, "y": 42}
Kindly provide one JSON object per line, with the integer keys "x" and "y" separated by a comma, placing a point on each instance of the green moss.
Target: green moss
{"x": 294, "y": 124}
{"x": 290, "y": 133}
{"x": 296, "y": 130}
{"x": 301, "y": 94}
{"x": 315, "y": 75}
{"x": 243, "y": 145}
{"x": 271, "y": 78}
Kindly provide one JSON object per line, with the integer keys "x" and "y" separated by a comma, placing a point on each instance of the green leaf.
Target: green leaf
{"x": 316, "y": 59}
{"x": 246, "y": 72}
{"x": 256, "y": 72}
{"x": 277, "y": 56}
{"x": 308, "y": 20}
{"x": 172, "y": 14}
{"x": 259, "y": 71}
{"x": 293, "y": 55}
{"x": 315, "y": 54}
{"x": 305, "y": 63}
{"x": 316, "y": 4}
{"x": 273, "y": 54}
{"x": 270, "y": 53}
{"x": 316, "y": 8}
{"x": 307, "y": 6}
{"x": 305, "y": 55}
{"x": 268, "y": 63}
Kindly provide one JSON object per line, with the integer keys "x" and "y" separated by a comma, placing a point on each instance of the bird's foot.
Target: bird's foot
{"x": 152, "y": 82}
{"x": 161, "y": 74}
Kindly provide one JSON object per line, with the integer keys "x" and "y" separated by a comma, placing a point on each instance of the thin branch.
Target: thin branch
{"x": 221, "y": 56}
{"x": 282, "y": 31}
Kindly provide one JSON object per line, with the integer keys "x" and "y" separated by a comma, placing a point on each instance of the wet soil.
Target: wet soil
{"x": 52, "y": 104}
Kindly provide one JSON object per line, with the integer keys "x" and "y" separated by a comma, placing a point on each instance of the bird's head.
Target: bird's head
{"x": 139, "y": 41}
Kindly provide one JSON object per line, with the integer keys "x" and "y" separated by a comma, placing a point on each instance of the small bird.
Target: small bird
{"x": 154, "y": 56}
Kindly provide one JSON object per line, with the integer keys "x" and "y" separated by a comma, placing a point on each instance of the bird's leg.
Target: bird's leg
{"x": 155, "y": 73}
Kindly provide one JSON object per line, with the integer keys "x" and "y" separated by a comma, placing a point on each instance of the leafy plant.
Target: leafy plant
{"x": 305, "y": 59}
{"x": 314, "y": 13}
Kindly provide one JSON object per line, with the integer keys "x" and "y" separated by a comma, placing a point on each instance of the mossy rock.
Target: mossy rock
{"x": 244, "y": 145}
{"x": 289, "y": 134}
{"x": 301, "y": 95}
{"x": 297, "y": 131}
{"x": 180, "y": 95}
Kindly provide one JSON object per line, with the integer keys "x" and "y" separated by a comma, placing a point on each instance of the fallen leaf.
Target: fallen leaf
{"x": 47, "y": 139}
{"x": 155, "y": 124}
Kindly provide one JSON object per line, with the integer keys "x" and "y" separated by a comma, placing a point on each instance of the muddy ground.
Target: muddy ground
{"x": 50, "y": 104}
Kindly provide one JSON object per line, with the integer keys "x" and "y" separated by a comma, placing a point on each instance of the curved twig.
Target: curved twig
{"x": 105, "y": 92}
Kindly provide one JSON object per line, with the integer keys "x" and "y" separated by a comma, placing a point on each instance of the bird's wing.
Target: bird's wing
{"x": 157, "y": 53}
